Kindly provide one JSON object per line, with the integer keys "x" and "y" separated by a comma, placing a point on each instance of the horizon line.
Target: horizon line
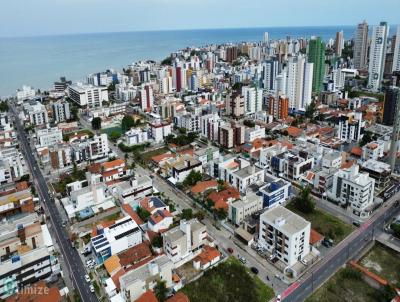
{"x": 169, "y": 30}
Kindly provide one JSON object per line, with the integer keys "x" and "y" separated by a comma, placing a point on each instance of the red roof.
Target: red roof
{"x": 294, "y": 131}
{"x": 178, "y": 297}
{"x": 207, "y": 255}
{"x": 202, "y": 186}
{"x": 357, "y": 151}
{"x": 148, "y": 296}
{"x": 220, "y": 198}
{"x": 113, "y": 164}
{"x": 315, "y": 237}
{"x": 134, "y": 254}
{"x": 39, "y": 292}
{"x": 161, "y": 157}
{"x": 135, "y": 217}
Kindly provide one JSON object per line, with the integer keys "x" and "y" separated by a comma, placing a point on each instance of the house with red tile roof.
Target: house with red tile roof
{"x": 221, "y": 198}
{"x": 160, "y": 220}
{"x": 152, "y": 204}
{"x": 202, "y": 186}
{"x": 208, "y": 257}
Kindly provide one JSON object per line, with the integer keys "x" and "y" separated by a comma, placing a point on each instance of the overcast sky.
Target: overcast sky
{"x": 44, "y": 17}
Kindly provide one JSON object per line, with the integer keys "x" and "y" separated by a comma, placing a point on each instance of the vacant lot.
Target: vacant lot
{"x": 347, "y": 285}
{"x": 326, "y": 224}
{"x": 228, "y": 282}
{"x": 384, "y": 262}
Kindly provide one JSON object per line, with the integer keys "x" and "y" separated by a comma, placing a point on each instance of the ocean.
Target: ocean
{"x": 39, "y": 61}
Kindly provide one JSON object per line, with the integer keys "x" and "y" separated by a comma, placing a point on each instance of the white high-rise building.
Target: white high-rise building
{"x": 377, "y": 55}
{"x": 88, "y": 96}
{"x": 299, "y": 83}
{"x": 252, "y": 99}
{"x": 269, "y": 73}
{"x": 266, "y": 37}
{"x": 361, "y": 46}
{"x": 396, "y": 55}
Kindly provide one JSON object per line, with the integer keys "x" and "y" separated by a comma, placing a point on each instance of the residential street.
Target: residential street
{"x": 70, "y": 255}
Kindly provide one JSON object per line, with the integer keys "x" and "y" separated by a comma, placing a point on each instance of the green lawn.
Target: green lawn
{"x": 228, "y": 282}
{"x": 384, "y": 262}
{"x": 326, "y": 224}
{"x": 347, "y": 285}
{"x": 111, "y": 129}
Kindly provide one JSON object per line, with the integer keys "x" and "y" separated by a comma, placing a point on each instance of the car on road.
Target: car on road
{"x": 64, "y": 224}
{"x": 87, "y": 278}
{"x": 91, "y": 288}
{"x": 254, "y": 270}
{"x": 305, "y": 262}
{"x": 230, "y": 250}
{"x": 278, "y": 277}
{"x": 278, "y": 298}
{"x": 242, "y": 259}
{"x": 356, "y": 223}
{"x": 90, "y": 263}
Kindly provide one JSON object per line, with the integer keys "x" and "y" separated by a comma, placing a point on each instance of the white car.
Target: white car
{"x": 91, "y": 288}
{"x": 87, "y": 278}
{"x": 304, "y": 261}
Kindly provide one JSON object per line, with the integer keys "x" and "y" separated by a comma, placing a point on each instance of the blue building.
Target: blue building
{"x": 275, "y": 192}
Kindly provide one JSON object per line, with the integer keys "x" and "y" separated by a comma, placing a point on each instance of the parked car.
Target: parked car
{"x": 87, "y": 278}
{"x": 305, "y": 262}
{"x": 254, "y": 270}
{"x": 91, "y": 288}
{"x": 230, "y": 250}
{"x": 278, "y": 298}
{"x": 357, "y": 223}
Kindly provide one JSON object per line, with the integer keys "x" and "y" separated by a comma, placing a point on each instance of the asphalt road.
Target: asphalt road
{"x": 342, "y": 253}
{"x": 70, "y": 254}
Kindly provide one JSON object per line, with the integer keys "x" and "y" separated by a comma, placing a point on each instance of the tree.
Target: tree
{"x": 157, "y": 242}
{"x": 192, "y": 178}
{"x": 395, "y": 227}
{"x": 96, "y": 123}
{"x": 114, "y": 136}
{"x": 3, "y": 106}
{"x": 367, "y": 138}
{"x": 187, "y": 214}
{"x": 310, "y": 110}
{"x": 303, "y": 202}
{"x": 127, "y": 123}
{"x": 167, "y": 61}
{"x": 143, "y": 213}
{"x": 161, "y": 291}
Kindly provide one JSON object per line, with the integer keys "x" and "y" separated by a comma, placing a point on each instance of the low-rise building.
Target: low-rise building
{"x": 245, "y": 177}
{"x": 244, "y": 207}
{"x": 161, "y": 220}
{"x": 120, "y": 236}
{"x": 134, "y": 189}
{"x": 379, "y": 171}
{"x": 36, "y": 112}
{"x": 49, "y": 136}
{"x": 183, "y": 166}
{"x": 275, "y": 192}
{"x": 355, "y": 189}
{"x": 185, "y": 241}
{"x": 254, "y": 133}
{"x": 285, "y": 235}
{"x": 135, "y": 136}
{"x": 145, "y": 277}
{"x": 372, "y": 150}
{"x": 158, "y": 131}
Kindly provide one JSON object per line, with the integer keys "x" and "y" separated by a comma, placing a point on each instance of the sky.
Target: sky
{"x": 52, "y": 17}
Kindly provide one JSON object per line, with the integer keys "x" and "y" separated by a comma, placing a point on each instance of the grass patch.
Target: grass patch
{"x": 113, "y": 217}
{"x": 230, "y": 281}
{"x": 326, "y": 224}
{"x": 384, "y": 262}
{"x": 108, "y": 131}
{"x": 347, "y": 285}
